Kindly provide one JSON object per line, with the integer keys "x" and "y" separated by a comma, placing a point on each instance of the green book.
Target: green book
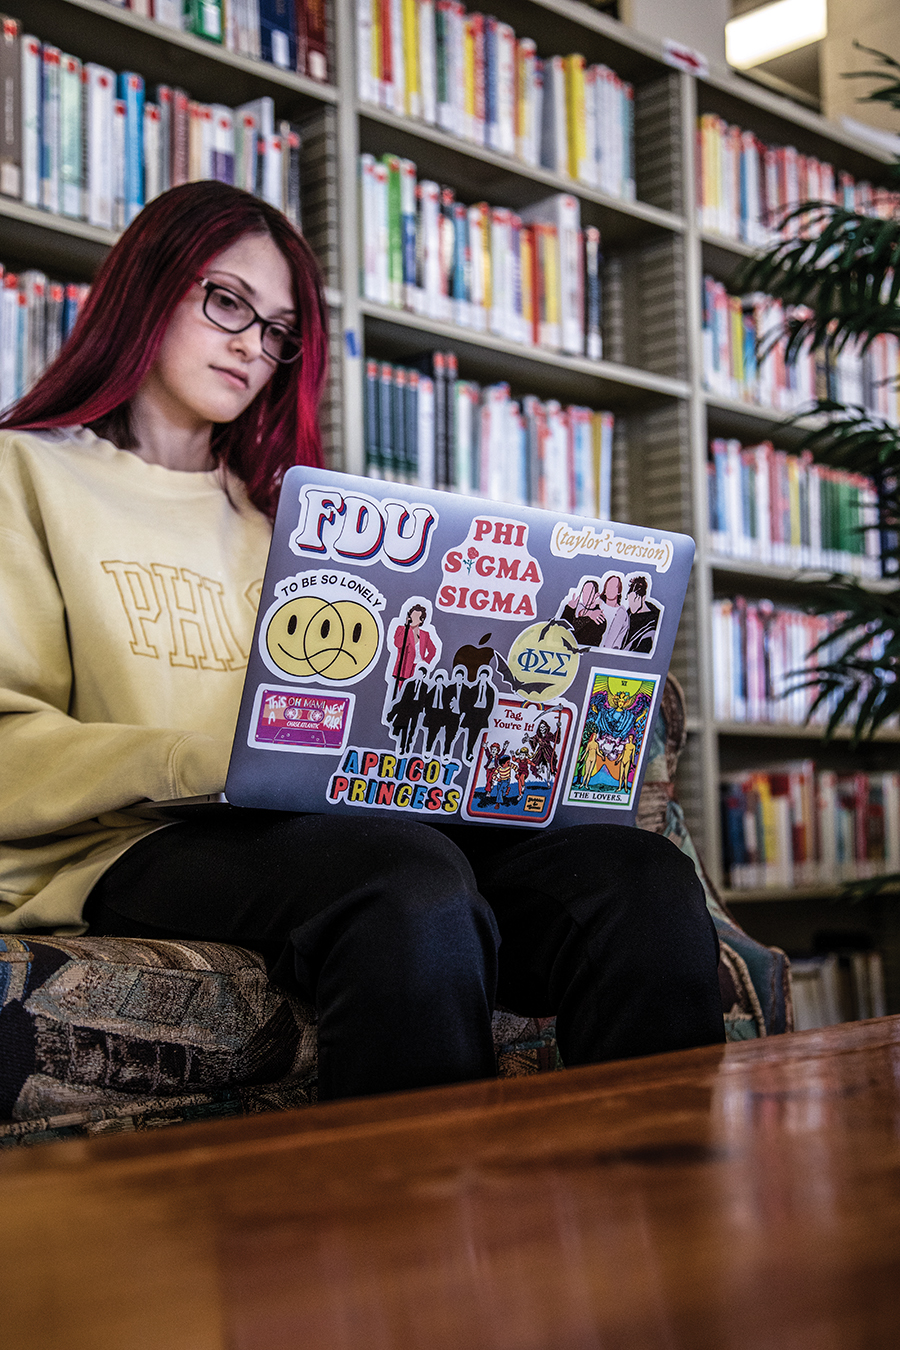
{"x": 204, "y": 18}
{"x": 395, "y": 230}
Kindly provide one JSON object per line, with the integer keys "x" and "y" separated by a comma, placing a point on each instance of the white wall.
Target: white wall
{"x": 696, "y": 23}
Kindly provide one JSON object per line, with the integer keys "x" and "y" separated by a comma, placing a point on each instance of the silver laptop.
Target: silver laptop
{"x": 453, "y": 659}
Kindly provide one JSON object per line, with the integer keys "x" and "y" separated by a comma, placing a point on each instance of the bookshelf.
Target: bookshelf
{"x": 656, "y": 256}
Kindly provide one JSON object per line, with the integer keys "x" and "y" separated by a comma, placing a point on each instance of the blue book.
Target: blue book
{"x": 278, "y": 33}
{"x": 131, "y": 92}
{"x": 491, "y": 113}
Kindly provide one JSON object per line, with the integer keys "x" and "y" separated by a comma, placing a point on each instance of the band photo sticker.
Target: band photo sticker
{"x": 520, "y": 763}
{"x": 436, "y": 711}
{"x": 324, "y": 626}
{"x": 615, "y": 612}
{"x": 302, "y": 721}
{"x": 612, "y": 740}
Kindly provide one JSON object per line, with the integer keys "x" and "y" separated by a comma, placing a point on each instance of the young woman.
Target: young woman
{"x": 137, "y": 484}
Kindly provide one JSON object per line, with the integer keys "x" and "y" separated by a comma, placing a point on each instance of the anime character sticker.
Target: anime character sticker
{"x": 614, "y": 727}
{"x": 518, "y": 770}
{"x": 613, "y": 613}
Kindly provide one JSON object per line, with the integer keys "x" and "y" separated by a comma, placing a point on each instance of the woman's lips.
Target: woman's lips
{"x": 236, "y": 378}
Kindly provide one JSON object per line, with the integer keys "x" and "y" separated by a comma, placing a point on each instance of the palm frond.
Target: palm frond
{"x": 847, "y": 278}
{"x": 889, "y": 92}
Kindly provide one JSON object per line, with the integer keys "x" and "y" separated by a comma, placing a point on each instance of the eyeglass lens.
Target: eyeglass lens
{"x": 230, "y": 312}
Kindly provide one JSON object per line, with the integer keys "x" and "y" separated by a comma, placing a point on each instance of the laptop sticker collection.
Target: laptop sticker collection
{"x": 483, "y": 732}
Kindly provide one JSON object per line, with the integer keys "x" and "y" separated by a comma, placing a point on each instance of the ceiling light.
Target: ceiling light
{"x": 773, "y": 30}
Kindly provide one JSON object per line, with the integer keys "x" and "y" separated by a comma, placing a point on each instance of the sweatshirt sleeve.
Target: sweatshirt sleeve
{"x": 56, "y": 772}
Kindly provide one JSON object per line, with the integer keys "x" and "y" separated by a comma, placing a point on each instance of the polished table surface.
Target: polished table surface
{"x": 742, "y": 1196}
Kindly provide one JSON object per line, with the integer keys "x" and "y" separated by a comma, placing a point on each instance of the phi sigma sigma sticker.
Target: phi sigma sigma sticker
{"x": 303, "y": 720}
{"x": 520, "y": 763}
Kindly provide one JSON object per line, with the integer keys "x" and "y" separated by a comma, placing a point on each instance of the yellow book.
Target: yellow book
{"x": 768, "y": 835}
{"x": 575, "y": 116}
{"x": 550, "y": 260}
{"x": 793, "y": 472}
{"x": 376, "y": 46}
{"x": 709, "y": 139}
{"x": 736, "y": 316}
{"x": 469, "y": 74}
{"x": 411, "y": 57}
{"x": 483, "y": 252}
{"x": 526, "y": 269}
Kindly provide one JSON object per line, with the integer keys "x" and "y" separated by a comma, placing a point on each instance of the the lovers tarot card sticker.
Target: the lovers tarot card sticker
{"x": 615, "y": 725}
{"x": 520, "y": 762}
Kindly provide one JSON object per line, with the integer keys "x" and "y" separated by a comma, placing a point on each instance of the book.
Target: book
{"x": 10, "y": 107}
{"x": 99, "y": 97}
{"x": 70, "y": 139}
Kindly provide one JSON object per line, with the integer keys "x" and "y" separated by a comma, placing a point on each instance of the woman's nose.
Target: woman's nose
{"x": 249, "y": 340}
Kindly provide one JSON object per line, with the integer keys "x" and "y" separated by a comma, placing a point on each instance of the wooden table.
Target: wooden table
{"x": 746, "y": 1196}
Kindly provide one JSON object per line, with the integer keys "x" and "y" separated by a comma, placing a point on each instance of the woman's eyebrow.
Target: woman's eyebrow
{"x": 248, "y": 290}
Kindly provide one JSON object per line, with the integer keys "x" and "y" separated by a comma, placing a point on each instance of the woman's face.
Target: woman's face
{"x": 202, "y": 374}
{"x": 612, "y": 590}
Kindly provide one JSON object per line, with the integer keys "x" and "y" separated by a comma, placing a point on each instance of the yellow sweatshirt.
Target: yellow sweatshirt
{"x": 127, "y": 600}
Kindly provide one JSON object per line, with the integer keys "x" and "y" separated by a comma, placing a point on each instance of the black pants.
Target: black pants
{"x": 391, "y": 928}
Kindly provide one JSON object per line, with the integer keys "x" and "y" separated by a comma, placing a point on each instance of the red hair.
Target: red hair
{"x": 123, "y": 321}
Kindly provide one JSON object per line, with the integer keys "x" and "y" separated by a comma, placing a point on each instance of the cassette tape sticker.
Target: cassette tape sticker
{"x": 612, "y": 740}
{"x": 305, "y": 721}
{"x": 520, "y": 762}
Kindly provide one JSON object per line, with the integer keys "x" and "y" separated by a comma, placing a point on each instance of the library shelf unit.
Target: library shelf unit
{"x": 656, "y": 256}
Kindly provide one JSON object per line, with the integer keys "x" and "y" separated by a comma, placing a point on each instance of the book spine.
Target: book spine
{"x": 593, "y": 294}
{"x": 398, "y": 62}
{"x": 411, "y": 426}
{"x": 461, "y": 265}
{"x": 411, "y": 57}
{"x": 170, "y": 13}
{"x": 152, "y": 152}
{"x": 427, "y": 57}
{"x": 70, "y": 172}
{"x": 371, "y": 422}
{"x": 385, "y": 420}
{"x": 395, "y": 232}
{"x": 278, "y": 33}
{"x": 575, "y": 117}
{"x": 131, "y": 92}
{"x": 31, "y": 120}
{"x": 442, "y": 18}
{"x": 50, "y": 68}
{"x": 426, "y": 431}
{"x": 204, "y": 19}
{"x": 10, "y": 108}
{"x": 366, "y": 82}
{"x": 398, "y": 425}
{"x": 222, "y": 143}
{"x": 439, "y": 368}
{"x": 506, "y": 89}
{"x": 316, "y": 40}
{"x": 428, "y": 196}
{"x": 99, "y": 134}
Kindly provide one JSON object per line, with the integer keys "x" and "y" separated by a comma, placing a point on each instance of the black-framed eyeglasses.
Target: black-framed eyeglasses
{"x": 233, "y": 314}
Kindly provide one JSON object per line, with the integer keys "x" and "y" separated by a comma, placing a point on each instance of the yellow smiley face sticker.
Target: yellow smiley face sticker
{"x": 312, "y": 638}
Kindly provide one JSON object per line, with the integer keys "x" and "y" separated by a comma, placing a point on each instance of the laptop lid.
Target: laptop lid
{"x": 452, "y": 658}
